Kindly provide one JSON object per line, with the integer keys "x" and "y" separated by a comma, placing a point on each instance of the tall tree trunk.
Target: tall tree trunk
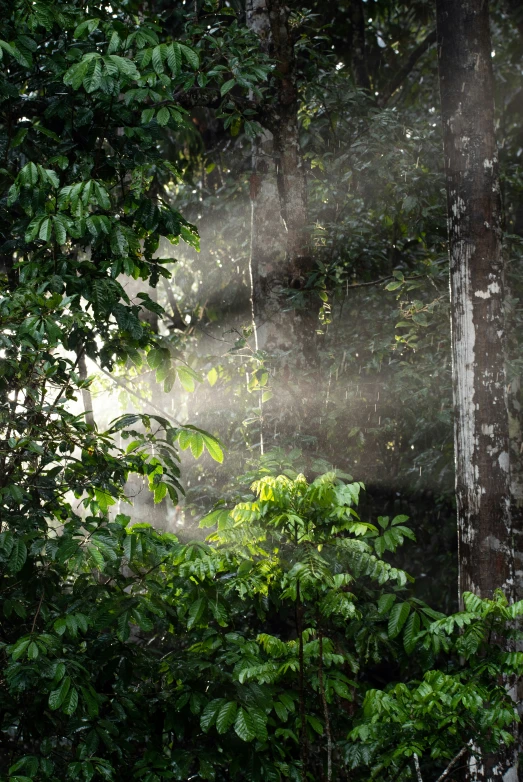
{"x": 358, "y": 46}
{"x": 477, "y": 305}
{"x": 280, "y": 252}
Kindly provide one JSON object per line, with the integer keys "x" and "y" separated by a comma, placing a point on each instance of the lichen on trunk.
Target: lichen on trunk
{"x": 477, "y": 305}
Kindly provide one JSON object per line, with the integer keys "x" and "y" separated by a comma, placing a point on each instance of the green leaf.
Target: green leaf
{"x": 196, "y": 444}
{"x": 398, "y": 617}
{"x": 174, "y": 58}
{"x": 259, "y": 720}
{"x": 76, "y": 74}
{"x": 213, "y": 448}
{"x": 60, "y": 229}
{"x": 102, "y": 196}
{"x": 394, "y": 285}
{"x": 158, "y": 54}
{"x": 32, "y": 651}
{"x": 86, "y": 28}
{"x": 155, "y": 357}
{"x": 160, "y": 490}
{"x": 411, "y": 631}
{"x": 70, "y": 702}
{"x": 57, "y": 697}
{"x": 19, "y": 648}
{"x": 163, "y": 116}
{"x": 399, "y": 520}
{"x": 45, "y": 230}
{"x": 187, "y": 377}
{"x": 226, "y": 716}
{"x": 385, "y": 603}
{"x": 210, "y": 713}
{"x": 147, "y": 115}
{"x": 190, "y": 55}
{"x": 93, "y": 77}
{"x": 244, "y": 726}
{"x": 315, "y": 724}
{"x": 18, "y": 556}
{"x": 196, "y": 612}
{"x": 227, "y": 86}
{"x": 212, "y": 376}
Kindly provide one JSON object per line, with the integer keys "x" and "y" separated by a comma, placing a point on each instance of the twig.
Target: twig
{"x": 405, "y": 69}
{"x": 132, "y": 391}
{"x": 454, "y": 760}
{"x": 38, "y": 610}
{"x": 392, "y": 277}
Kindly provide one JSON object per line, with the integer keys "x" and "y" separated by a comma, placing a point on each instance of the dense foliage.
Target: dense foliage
{"x": 292, "y": 643}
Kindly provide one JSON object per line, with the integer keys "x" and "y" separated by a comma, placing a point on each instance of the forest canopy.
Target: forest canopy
{"x": 261, "y": 487}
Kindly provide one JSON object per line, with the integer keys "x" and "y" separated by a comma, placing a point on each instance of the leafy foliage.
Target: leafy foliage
{"x": 291, "y": 637}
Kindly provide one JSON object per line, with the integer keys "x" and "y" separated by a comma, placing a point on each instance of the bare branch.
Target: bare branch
{"x": 123, "y": 384}
{"x": 405, "y": 69}
{"x": 453, "y": 762}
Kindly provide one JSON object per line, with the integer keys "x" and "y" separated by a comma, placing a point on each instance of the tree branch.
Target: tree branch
{"x": 453, "y": 762}
{"x": 418, "y": 770}
{"x": 132, "y": 391}
{"x": 405, "y": 69}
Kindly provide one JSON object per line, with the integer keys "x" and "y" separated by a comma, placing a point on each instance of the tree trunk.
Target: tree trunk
{"x": 280, "y": 252}
{"x": 477, "y": 306}
{"x": 358, "y": 46}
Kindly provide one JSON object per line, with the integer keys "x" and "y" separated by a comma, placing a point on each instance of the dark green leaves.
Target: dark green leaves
{"x": 244, "y": 725}
{"x": 58, "y": 696}
{"x": 226, "y": 716}
{"x": 398, "y": 617}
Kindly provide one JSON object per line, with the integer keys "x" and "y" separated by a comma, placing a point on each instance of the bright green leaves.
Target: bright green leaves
{"x": 197, "y": 440}
{"x": 393, "y": 535}
{"x": 159, "y": 359}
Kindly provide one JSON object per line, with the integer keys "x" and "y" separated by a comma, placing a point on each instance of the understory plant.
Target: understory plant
{"x": 258, "y": 655}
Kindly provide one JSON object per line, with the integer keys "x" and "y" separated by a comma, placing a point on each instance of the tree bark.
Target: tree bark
{"x": 358, "y": 49}
{"x": 87, "y": 398}
{"x": 280, "y": 253}
{"x": 477, "y": 306}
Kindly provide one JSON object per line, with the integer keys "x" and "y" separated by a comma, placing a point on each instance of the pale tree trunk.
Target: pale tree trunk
{"x": 280, "y": 252}
{"x": 87, "y": 398}
{"x": 477, "y": 306}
